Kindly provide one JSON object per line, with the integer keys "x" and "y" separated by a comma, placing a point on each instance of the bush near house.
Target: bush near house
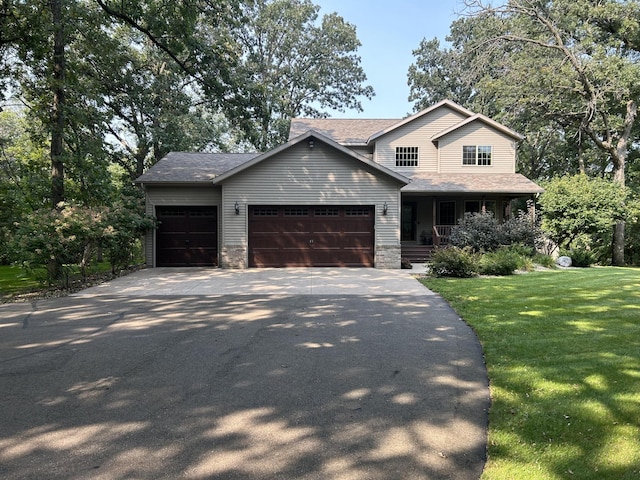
{"x": 501, "y": 262}
{"x": 454, "y": 262}
{"x": 63, "y": 241}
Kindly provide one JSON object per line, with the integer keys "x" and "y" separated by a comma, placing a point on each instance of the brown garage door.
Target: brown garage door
{"x": 311, "y": 236}
{"x": 187, "y": 236}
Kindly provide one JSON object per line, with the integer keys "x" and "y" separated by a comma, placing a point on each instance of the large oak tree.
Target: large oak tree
{"x": 566, "y": 68}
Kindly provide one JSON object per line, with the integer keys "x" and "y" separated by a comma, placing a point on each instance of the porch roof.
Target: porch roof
{"x": 506, "y": 183}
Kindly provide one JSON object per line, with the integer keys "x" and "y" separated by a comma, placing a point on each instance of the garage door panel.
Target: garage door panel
{"x": 311, "y": 236}
{"x": 186, "y": 236}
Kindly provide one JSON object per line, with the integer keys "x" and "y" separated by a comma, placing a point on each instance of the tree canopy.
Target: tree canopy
{"x": 108, "y": 87}
{"x": 562, "y": 72}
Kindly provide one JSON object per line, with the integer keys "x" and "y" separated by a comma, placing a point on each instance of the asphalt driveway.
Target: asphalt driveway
{"x": 323, "y": 374}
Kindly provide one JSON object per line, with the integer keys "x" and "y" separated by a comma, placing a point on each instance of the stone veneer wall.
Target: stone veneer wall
{"x": 388, "y": 256}
{"x": 233, "y": 256}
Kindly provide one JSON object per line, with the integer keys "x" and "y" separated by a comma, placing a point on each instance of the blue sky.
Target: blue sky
{"x": 389, "y": 31}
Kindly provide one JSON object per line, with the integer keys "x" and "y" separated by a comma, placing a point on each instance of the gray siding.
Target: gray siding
{"x": 179, "y": 196}
{"x": 304, "y": 176}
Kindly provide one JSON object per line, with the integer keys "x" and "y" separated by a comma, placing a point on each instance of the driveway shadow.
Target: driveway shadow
{"x": 312, "y": 387}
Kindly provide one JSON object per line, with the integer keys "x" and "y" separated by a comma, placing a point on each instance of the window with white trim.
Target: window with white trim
{"x": 406, "y": 156}
{"x": 476, "y": 155}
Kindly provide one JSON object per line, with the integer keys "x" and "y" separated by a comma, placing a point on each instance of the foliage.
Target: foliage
{"x": 575, "y": 206}
{"x": 23, "y": 174}
{"x": 123, "y": 227}
{"x": 563, "y": 374}
{"x": 482, "y": 232}
{"x": 544, "y": 260}
{"x": 632, "y": 249}
{"x": 523, "y": 229}
{"x": 69, "y": 236}
{"x": 580, "y": 256}
{"x": 503, "y": 261}
{"x": 561, "y": 72}
{"x": 478, "y": 231}
{"x": 453, "y": 262}
{"x": 295, "y": 65}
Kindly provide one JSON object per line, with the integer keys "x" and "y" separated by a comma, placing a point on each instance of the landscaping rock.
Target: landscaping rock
{"x": 564, "y": 261}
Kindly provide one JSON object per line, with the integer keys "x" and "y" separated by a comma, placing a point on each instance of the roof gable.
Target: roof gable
{"x": 312, "y": 136}
{"x": 478, "y": 117}
{"x": 443, "y": 104}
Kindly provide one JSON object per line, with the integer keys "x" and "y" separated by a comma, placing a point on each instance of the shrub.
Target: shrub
{"x": 478, "y": 231}
{"x": 501, "y": 262}
{"x": 454, "y": 262}
{"x": 580, "y": 257}
{"x": 521, "y": 229}
{"x": 544, "y": 260}
{"x": 483, "y": 233}
{"x": 59, "y": 240}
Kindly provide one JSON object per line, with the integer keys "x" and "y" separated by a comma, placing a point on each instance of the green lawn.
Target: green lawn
{"x": 15, "y": 280}
{"x": 563, "y": 353}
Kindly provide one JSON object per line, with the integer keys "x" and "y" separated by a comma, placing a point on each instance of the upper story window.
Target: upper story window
{"x": 406, "y": 156}
{"x": 476, "y": 155}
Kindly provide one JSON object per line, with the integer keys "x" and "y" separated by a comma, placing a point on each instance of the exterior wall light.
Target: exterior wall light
{"x": 311, "y": 144}
{"x": 237, "y": 207}
{"x": 385, "y": 207}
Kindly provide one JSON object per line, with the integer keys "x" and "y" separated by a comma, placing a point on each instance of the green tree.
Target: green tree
{"x": 295, "y": 65}
{"x": 566, "y": 68}
{"x": 150, "y": 107}
{"x": 578, "y": 207}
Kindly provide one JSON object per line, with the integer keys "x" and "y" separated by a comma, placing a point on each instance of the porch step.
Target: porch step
{"x": 417, "y": 253}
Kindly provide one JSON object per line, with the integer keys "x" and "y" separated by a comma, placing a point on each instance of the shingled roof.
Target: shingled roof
{"x": 182, "y": 167}
{"x": 507, "y": 183}
{"x": 344, "y": 131}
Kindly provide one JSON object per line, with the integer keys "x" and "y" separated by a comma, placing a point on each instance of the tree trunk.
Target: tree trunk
{"x": 58, "y": 105}
{"x": 54, "y": 266}
{"x": 619, "y": 166}
{"x": 617, "y": 247}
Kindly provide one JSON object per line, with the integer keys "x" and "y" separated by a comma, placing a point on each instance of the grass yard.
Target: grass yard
{"x": 15, "y": 280}
{"x": 563, "y": 353}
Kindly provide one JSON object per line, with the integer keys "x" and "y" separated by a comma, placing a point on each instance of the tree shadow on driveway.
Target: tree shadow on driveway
{"x": 313, "y": 387}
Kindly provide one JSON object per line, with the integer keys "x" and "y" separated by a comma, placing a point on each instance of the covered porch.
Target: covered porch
{"x": 426, "y": 221}
{"x": 431, "y": 206}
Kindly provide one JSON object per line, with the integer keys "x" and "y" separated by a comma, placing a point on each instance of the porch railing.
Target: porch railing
{"x": 441, "y": 234}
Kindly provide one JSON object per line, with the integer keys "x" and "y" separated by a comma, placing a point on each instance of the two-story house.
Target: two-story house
{"x": 354, "y": 193}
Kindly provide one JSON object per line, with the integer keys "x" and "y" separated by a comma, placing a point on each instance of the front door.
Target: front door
{"x": 408, "y": 221}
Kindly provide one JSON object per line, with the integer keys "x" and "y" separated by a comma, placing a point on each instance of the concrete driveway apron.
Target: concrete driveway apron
{"x": 256, "y": 374}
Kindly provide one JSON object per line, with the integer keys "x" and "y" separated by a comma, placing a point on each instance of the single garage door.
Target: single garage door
{"x": 187, "y": 236}
{"x": 311, "y": 236}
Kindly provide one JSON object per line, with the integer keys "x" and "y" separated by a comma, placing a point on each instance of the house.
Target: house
{"x": 353, "y": 193}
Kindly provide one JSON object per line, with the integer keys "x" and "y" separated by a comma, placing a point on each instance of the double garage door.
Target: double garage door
{"x": 279, "y": 236}
{"x": 311, "y": 236}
